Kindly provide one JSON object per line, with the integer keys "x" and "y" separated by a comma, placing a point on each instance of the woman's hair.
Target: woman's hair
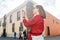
{"x": 41, "y": 11}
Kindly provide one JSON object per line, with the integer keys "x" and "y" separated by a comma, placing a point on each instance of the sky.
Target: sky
{"x": 51, "y": 6}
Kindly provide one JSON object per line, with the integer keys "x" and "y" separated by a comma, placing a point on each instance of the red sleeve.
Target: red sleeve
{"x": 28, "y": 23}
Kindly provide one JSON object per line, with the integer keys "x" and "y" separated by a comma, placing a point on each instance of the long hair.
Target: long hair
{"x": 41, "y": 11}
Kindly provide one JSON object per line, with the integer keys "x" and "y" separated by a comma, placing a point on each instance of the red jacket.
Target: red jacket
{"x": 36, "y": 24}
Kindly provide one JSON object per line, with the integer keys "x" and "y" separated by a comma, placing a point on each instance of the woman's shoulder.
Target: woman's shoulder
{"x": 38, "y": 16}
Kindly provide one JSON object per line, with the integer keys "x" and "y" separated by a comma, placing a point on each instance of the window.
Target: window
{"x": 10, "y": 18}
{"x": 13, "y": 27}
{"x": 0, "y": 23}
{"x": 53, "y": 21}
{"x": 57, "y": 22}
{"x": 5, "y": 18}
{"x": 18, "y": 15}
{"x": 4, "y": 22}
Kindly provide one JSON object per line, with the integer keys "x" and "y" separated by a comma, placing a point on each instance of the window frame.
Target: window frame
{"x": 10, "y": 18}
{"x": 0, "y": 23}
{"x": 18, "y": 15}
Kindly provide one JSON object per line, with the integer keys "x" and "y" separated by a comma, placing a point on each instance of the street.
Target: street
{"x": 53, "y": 38}
{"x": 48, "y": 38}
{"x": 6, "y": 38}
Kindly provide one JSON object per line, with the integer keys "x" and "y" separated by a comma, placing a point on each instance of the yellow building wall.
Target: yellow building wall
{"x": 14, "y": 20}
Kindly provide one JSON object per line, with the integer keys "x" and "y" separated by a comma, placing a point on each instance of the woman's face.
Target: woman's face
{"x": 35, "y": 11}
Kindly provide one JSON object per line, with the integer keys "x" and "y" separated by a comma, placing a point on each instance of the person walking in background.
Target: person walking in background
{"x": 25, "y": 35}
{"x": 15, "y": 35}
{"x": 36, "y": 24}
{"x": 20, "y": 36}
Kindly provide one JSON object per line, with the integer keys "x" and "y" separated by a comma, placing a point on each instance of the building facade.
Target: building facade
{"x": 12, "y": 23}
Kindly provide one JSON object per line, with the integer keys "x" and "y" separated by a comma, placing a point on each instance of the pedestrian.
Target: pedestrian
{"x": 36, "y": 23}
{"x": 14, "y": 34}
{"x": 25, "y": 35}
{"x": 20, "y": 35}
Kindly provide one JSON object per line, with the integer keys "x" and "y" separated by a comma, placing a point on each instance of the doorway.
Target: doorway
{"x": 4, "y": 33}
{"x": 48, "y": 31}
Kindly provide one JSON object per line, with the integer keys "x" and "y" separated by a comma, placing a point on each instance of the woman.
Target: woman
{"x": 36, "y": 24}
